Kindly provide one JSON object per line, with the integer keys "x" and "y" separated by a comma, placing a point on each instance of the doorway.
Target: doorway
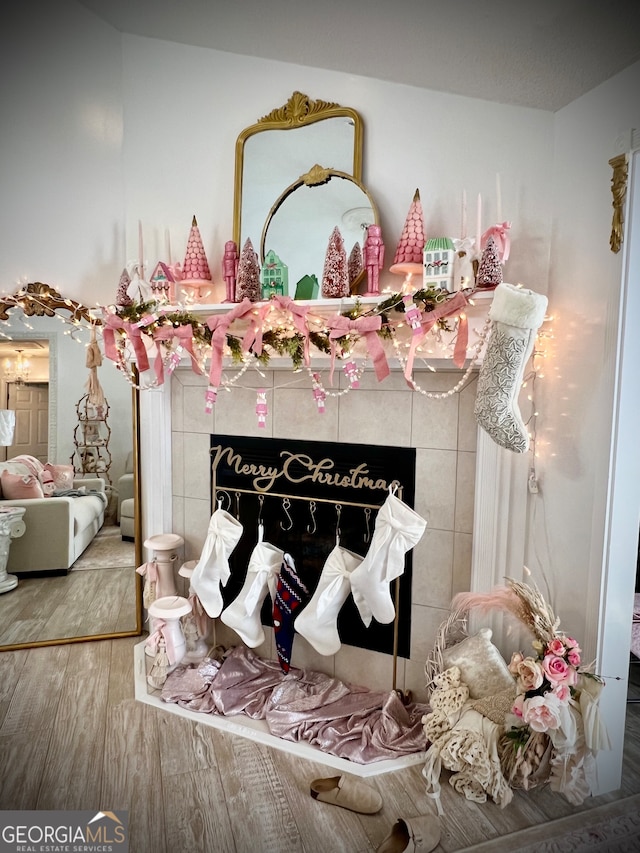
{"x": 30, "y": 401}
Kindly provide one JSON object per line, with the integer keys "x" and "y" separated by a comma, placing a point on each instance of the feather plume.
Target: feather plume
{"x": 517, "y": 599}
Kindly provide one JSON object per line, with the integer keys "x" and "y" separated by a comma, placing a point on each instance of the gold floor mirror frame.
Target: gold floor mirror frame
{"x": 39, "y": 299}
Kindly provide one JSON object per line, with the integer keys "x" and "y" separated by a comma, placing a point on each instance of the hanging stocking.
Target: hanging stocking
{"x": 291, "y": 595}
{"x": 212, "y": 569}
{"x": 243, "y": 614}
{"x": 516, "y": 315}
{"x": 398, "y": 528}
{"x": 318, "y": 622}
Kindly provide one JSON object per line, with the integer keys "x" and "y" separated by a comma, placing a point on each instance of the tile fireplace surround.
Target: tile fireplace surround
{"x": 470, "y": 491}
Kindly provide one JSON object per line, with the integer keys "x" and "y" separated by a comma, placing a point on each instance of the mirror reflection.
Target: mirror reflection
{"x": 310, "y": 209}
{"x": 74, "y": 564}
{"x": 273, "y": 153}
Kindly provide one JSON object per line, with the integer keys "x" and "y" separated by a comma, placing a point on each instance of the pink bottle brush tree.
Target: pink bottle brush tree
{"x": 335, "y": 276}
{"x": 248, "y": 278}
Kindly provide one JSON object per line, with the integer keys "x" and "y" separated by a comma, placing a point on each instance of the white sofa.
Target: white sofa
{"x": 58, "y": 529}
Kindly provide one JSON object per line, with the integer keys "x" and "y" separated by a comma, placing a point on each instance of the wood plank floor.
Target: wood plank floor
{"x": 72, "y": 736}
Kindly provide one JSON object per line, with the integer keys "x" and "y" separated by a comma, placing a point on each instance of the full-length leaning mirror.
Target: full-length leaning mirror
{"x": 73, "y": 569}
{"x": 272, "y": 154}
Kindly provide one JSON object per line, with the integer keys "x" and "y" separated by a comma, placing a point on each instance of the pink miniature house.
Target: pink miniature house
{"x": 163, "y": 282}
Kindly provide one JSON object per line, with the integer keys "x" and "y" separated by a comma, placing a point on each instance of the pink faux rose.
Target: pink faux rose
{"x": 542, "y": 713}
{"x": 574, "y": 658}
{"x": 530, "y": 675}
{"x": 556, "y": 647}
{"x": 558, "y": 671}
{"x": 516, "y": 708}
{"x": 572, "y": 644}
{"x": 516, "y": 659}
{"x": 562, "y": 692}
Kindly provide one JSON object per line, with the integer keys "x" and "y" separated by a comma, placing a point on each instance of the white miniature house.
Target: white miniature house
{"x": 438, "y": 263}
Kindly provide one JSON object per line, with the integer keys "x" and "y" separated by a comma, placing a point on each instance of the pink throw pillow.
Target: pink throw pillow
{"x": 62, "y": 475}
{"x": 18, "y": 488}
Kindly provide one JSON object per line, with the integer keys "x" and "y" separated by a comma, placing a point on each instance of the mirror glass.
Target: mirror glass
{"x": 272, "y": 154}
{"x": 307, "y": 212}
{"x": 99, "y": 595}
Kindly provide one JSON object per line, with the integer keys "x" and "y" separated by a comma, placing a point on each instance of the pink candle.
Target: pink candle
{"x": 498, "y": 198}
{"x": 479, "y": 223}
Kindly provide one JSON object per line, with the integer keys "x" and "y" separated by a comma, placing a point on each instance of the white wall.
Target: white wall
{"x": 185, "y": 106}
{"x": 569, "y": 517}
{"x": 61, "y": 218}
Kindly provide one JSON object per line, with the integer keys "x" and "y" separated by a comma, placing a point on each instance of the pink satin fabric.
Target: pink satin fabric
{"x": 341, "y": 719}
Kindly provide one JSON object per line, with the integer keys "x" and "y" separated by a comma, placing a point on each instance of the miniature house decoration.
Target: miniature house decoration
{"x": 438, "y": 263}
{"x": 308, "y": 287}
{"x": 163, "y": 282}
{"x": 274, "y": 276}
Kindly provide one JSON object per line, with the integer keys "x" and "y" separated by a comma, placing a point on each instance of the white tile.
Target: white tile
{"x": 425, "y": 622}
{"x": 197, "y": 466}
{"x": 465, "y": 492}
{"x": 467, "y": 424}
{"x": 197, "y": 514}
{"x": 365, "y": 668}
{"x": 433, "y": 569}
{"x": 415, "y": 680}
{"x": 295, "y": 415}
{"x": 435, "y": 420}
{"x": 436, "y": 487}
{"x": 195, "y": 418}
{"x": 304, "y": 656}
{"x": 462, "y": 553}
{"x": 177, "y": 405}
{"x": 177, "y": 463}
{"x": 374, "y": 417}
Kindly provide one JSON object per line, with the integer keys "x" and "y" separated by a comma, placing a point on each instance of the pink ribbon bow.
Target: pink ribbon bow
{"x": 368, "y": 328}
{"x": 184, "y": 336}
{"x": 199, "y": 614}
{"x": 500, "y": 234}
{"x": 299, "y": 318}
{"x": 160, "y": 631}
{"x": 219, "y": 324}
{"x": 253, "y": 336}
{"x": 110, "y": 324}
{"x": 134, "y": 333}
{"x": 445, "y": 309}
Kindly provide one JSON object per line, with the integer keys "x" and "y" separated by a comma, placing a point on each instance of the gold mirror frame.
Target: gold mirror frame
{"x": 37, "y": 299}
{"x": 315, "y": 177}
{"x": 299, "y": 111}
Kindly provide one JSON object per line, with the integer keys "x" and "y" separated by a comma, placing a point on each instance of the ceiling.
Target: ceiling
{"x": 542, "y": 55}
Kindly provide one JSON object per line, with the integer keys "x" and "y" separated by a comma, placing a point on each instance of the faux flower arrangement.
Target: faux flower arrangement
{"x": 553, "y": 731}
{"x": 545, "y": 684}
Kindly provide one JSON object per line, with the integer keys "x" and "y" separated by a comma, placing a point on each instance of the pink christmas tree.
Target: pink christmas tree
{"x": 335, "y": 277}
{"x": 195, "y": 269}
{"x": 248, "y": 277}
{"x": 408, "y": 257}
{"x": 354, "y": 265}
{"x": 490, "y": 268}
{"x": 122, "y": 297}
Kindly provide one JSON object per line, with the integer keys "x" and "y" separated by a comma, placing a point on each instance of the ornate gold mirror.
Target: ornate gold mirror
{"x": 308, "y": 211}
{"x": 99, "y": 594}
{"x": 272, "y": 154}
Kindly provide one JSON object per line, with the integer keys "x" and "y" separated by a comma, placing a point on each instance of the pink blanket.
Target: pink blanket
{"x": 351, "y": 722}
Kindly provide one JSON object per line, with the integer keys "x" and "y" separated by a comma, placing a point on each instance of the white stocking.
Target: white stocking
{"x": 318, "y": 621}
{"x": 243, "y": 614}
{"x": 516, "y": 315}
{"x": 397, "y": 530}
{"x": 212, "y": 569}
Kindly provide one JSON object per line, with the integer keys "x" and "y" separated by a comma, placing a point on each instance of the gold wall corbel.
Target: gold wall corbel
{"x": 619, "y": 193}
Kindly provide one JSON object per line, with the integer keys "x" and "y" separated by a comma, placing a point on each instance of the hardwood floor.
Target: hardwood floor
{"x": 72, "y": 736}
